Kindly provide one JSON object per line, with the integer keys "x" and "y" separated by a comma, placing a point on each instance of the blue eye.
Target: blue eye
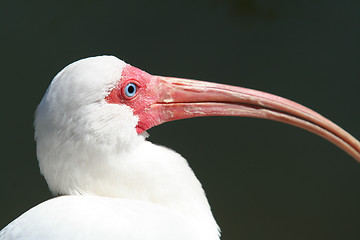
{"x": 130, "y": 90}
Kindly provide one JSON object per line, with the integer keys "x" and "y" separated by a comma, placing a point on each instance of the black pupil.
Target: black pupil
{"x": 131, "y": 89}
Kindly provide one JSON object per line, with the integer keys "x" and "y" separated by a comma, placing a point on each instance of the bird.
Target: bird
{"x": 110, "y": 182}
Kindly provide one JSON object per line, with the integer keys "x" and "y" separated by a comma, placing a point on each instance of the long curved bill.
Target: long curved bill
{"x": 183, "y": 98}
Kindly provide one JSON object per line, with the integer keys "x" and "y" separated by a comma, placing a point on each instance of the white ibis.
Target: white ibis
{"x": 113, "y": 184}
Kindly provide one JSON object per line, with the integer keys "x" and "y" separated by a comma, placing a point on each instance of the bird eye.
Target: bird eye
{"x": 130, "y": 90}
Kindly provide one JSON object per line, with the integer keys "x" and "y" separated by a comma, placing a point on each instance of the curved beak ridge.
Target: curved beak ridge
{"x": 184, "y": 98}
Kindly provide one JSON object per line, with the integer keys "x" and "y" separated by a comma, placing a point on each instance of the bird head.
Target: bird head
{"x": 101, "y": 107}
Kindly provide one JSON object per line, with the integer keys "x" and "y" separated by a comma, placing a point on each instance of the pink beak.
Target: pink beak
{"x": 183, "y": 98}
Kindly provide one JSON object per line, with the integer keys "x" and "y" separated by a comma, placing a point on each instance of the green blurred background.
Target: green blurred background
{"x": 264, "y": 180}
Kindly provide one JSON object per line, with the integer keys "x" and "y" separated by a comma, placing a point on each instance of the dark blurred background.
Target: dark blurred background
{"x": 264, "y": 180}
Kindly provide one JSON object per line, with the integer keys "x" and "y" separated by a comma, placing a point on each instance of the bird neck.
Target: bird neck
{"x": 144, "y": 172}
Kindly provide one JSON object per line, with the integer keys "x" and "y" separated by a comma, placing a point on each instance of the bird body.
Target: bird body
{"x": 90, "y": 130}
{"x": 95, "y": 217}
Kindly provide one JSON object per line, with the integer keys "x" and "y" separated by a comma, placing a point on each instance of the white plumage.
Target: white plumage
{"x": 122, "y": 186}
{"x": 91, "y": 217}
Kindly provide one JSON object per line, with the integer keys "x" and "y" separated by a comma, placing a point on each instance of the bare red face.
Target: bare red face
{"x": 156, "y": 100}
{"x": 137, "y": 89}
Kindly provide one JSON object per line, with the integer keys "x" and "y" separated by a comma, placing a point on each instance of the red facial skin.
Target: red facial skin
{"x": 161, "y": 99}
{"x": 145, "y": 95}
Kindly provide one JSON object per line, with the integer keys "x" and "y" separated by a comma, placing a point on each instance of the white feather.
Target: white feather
{"x": 131, "y": 188}
{"x": 94, "y": 218}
